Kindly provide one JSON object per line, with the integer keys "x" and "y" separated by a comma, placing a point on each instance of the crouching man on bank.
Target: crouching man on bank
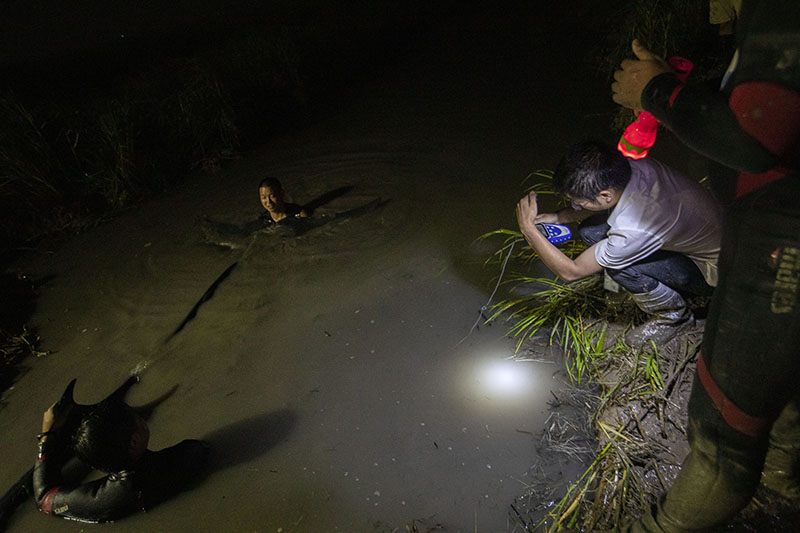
{"x": 111, "y": 438}
{"x": 655, "y": 232}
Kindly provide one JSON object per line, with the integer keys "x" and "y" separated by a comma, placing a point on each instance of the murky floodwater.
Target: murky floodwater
{"x": 331, "y": 371}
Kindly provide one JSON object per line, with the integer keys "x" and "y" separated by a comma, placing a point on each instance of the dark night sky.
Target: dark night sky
{"x": 42, "y": 31}
{"x": 43, "y": 42}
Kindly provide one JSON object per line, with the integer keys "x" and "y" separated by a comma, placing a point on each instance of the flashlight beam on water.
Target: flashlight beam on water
{"x": 506, "y": 378}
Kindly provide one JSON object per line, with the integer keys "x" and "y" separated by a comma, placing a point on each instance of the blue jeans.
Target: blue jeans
{"x": 673, "y": 269}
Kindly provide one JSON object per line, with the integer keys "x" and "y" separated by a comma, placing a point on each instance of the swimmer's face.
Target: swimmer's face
{"x": 271, "y": 199}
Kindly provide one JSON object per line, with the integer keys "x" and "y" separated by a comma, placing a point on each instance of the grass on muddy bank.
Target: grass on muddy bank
{"x": 14, "y": 349}
{"x": 635, "y": 399}
{"x": 627, "y": 409}
{"x": 625, "y": 415}
{"x": 624, "y": 390}
{"x": 17, "y": 342}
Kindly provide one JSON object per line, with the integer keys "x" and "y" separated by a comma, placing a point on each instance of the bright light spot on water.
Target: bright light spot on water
{"x": 504, "y": 378}
{"x": 492, "y": 383}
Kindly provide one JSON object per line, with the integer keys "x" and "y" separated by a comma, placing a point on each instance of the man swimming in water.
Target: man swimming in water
{"x": 112, "y": 438}
{"x": 273, "y": 198}
{"x": 292, "y": 219}
{"x": 276, "y": 211}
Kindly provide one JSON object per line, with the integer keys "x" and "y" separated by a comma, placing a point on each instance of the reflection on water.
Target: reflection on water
{"x": 495, "y": 379}
{"x": 506, "y": 378}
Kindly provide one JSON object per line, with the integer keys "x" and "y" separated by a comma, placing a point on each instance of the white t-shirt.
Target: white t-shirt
{"x": 662, "y": 209}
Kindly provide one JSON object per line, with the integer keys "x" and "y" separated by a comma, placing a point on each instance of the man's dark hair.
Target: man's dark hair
{"x": 272, "y": 183}
{"x": 102, "y": 439}
{"x": 590, "y": 167}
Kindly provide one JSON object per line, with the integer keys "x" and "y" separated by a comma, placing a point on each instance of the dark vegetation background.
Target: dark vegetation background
{"x": 103, "y": 104}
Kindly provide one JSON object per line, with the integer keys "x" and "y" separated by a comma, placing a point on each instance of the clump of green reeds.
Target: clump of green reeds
{"x": 635, "y": 411}
{"x": 569, "y": 310}
{"x": 62, "y": 162}
{"x": 30, "y": 171}
{"x": 623, "y": 476}
{"x": 15, "y": 347}
{"x": 574, "y": 313}
{"x": 638, "y": 415}
{"x": 186, "y": 111}
{"x": 103, "y": 149}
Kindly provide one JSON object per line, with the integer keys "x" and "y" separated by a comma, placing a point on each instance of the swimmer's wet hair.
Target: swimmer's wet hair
{"x": 103, "y": 437}
{"x": 589, "y": 168}
{"x": 272, "y": 183}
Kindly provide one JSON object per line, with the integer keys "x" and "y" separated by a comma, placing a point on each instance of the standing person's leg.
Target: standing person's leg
{"x": 747, "y": 371}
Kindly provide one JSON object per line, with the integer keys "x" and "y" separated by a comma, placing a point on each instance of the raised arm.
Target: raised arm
{"x": 561, "y": 265}
{"x": 699, "y": 115}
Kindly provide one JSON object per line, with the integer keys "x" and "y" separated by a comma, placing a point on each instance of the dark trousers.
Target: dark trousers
{"x": 751, "y": 349}
{"x": 673, "y": 269}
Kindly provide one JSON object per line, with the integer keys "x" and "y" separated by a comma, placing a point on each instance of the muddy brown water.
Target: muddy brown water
{"x": 330, "y": 370}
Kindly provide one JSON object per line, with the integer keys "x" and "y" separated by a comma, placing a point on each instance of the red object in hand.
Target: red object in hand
{"x": 640, "y": 135}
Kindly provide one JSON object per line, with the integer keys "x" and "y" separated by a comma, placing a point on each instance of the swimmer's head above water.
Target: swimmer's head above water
{"x": 273, "y": 198}
{"x": 271, "y": 193}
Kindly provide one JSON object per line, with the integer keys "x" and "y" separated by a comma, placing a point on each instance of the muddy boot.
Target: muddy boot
{"x": 670, "y": 317}
{"x": 782, "y": 466}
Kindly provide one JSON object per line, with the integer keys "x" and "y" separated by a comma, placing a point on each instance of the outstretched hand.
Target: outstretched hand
{"x": 634, "y": 76}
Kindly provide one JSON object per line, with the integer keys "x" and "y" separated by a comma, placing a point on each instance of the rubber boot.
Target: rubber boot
{"x": 670, "y": 316}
